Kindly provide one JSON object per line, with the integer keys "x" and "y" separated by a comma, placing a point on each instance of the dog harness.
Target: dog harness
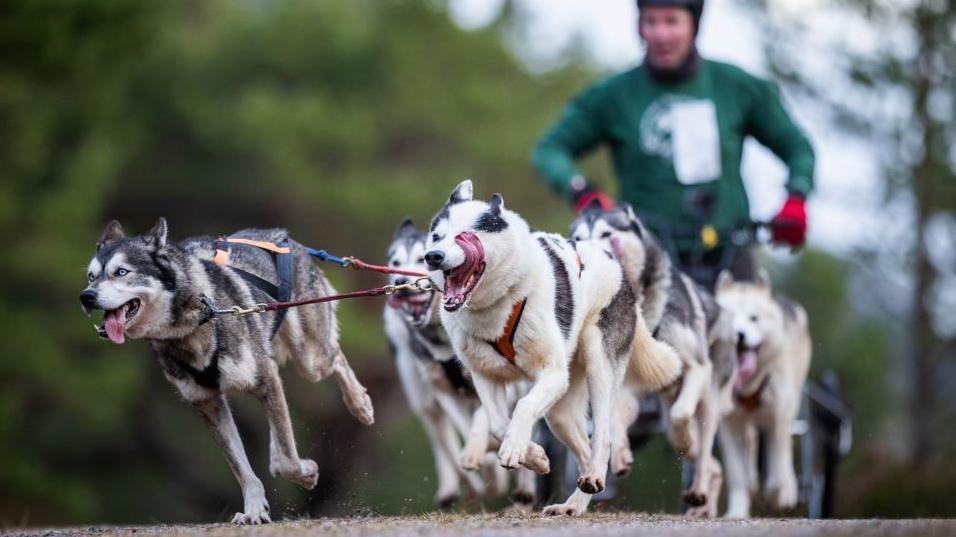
{"x": 283, "y": 261}
{"x": 505, "y": 344}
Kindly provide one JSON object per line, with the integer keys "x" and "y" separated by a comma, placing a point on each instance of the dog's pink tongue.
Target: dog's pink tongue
{"x": 474, "y": 255}
{"x": 115, "y": 321}
{"x": 746, "y": 367}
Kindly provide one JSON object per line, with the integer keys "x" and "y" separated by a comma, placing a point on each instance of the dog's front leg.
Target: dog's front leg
{"x": 516, "y": 447}
{"x": 473, "y": 454}
{"x": 285, "y": 461}
{"x": 736, "y": 453}
{"x": 219, "y": 420}
{"x": 781, "y": 488}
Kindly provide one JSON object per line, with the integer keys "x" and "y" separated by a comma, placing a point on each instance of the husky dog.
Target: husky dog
{"x": 150, "y": 289}
{"x": 528, "y": 306}
{"x": 684, "y": 315}
{"x": 773, "y": 356}
{"x": 436, "y": 385}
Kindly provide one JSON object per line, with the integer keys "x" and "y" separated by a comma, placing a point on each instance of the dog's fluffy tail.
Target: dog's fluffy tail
{"x": 654, "y": 364}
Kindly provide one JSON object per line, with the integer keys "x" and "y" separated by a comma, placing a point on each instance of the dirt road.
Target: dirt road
{"x": 596, "y": 525}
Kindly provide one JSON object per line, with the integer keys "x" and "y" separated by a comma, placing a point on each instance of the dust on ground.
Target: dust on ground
{"x": 524, "y": 525}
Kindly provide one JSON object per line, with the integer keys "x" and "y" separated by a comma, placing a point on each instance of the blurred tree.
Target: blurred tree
{"x": 332, "y": 118}
{"x": 886, "y": 73}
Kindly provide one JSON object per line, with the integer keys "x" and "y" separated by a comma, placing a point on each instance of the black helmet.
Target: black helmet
{"x": 696, "y": 7}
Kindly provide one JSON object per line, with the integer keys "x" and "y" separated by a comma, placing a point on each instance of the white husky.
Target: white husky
{"x": 773, "y": 356}
{"x": 438, "y": 389}
{"x": 529, "y": 306}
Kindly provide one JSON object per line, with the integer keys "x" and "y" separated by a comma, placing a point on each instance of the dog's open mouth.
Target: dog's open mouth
{"x": 461, "y": 280}
{"x": 114, "y": 322}
{"x": 746, "y": 364}
{"x": 414, "y": 305}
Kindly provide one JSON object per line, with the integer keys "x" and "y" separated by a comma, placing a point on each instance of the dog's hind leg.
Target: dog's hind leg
{"x": 681, "y": 413}
{"x": 354, "y": 394}
{"x": 567, "y": 422}
{"x": 285, "y": 461}
{"x": 626, "y": 408}
{"x": 604, "y": 375}
{"x": 219, "y": 420}
{"x": 317, "y": 355}
{"x": 707, "y": 422}
{"x": 441, "y": 435}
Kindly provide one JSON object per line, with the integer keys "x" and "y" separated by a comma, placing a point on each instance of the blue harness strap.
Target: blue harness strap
{"x": 322, "y": 255}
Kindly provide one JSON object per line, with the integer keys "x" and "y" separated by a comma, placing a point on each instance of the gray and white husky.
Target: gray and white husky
{"x": 684, "y": 315}
{"x": 524, "y": 306}
{"x": 773, "y": 354}
{"x": 438, "y": 388}
{"x": 151, "y": 289}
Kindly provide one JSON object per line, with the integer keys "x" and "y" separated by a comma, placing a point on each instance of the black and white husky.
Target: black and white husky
{"x": 151, "y": 289}
{"x": 686, "y": 316}
{"x": 438, "y": 388}
{"x": 524, "y": 306}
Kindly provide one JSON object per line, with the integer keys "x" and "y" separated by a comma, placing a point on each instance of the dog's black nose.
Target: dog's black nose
{"x": 434, "y": 259}
{"x": 88, "y": 298}
{"x": 401, "y": 281}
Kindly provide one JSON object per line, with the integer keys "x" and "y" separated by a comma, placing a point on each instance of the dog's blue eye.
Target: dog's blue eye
{"x": 605, "y": 235}
{"x": 122, "y": 272}
{"x": 435, "y": 237}
{"x": 394, "y": 263}
{"x": 90, "y": 277}
{"x": 421, "y": 260}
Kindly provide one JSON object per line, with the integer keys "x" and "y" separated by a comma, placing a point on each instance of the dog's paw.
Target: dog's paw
{"x": 563, "y": 509}
{"x": 522, "y": 498}
{"x": 257, "y": 512}
{"x": 511, "y": 454}
{"x": 590, "y": 484}
{"x": 702, "y": 511}
{"x": 472, "y": 457}
{"x": 682, "y": 435}
{"x": 304, "y": 473}
{"x": 622, "y": 460}
{"x": 536, "y": 460}
{"x": 783, "y": 494}
{"x": 446, "y": 500}
{"x": 359, "y": 404}
{"x": 695, "y": 498}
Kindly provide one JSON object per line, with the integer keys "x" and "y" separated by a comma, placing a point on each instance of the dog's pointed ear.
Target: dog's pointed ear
{"x": 763, "y": 279}
{"x": 156, "y": 237}
{"x": 628, "y": 210}
{"x": 406, "y": 228}
{"x": 724, "y": 281}
{"x": 497, "y": 203}
{"x": 112, "y": 232}
{"x": 463, "y": 192}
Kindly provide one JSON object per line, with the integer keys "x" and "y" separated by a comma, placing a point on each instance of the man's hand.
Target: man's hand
{"x": 584, "y": 194}
{"x": 790, "y": 224}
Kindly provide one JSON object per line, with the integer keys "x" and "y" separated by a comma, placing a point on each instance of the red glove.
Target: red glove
{"x": 594, "y": 197}
{"x": 790, "y": 224}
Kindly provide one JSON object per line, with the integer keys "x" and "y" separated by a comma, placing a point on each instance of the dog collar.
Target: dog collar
{"x": 505, "y": 344}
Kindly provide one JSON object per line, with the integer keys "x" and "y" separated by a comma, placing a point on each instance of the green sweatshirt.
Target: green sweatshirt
{"x": 675, "y": 143}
